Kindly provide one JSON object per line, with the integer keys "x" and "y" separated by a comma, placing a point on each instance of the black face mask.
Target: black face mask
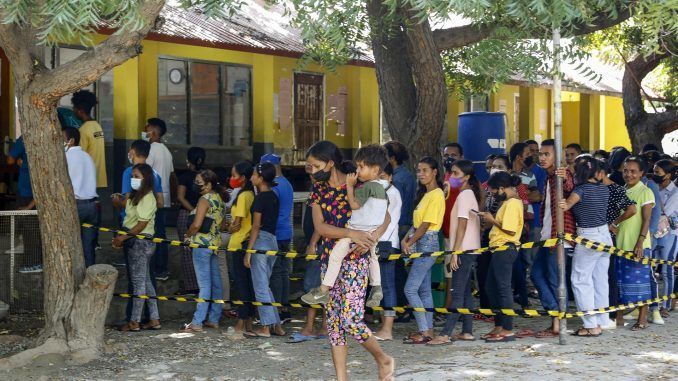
{"x": 197, "y": 188}
{"x": 500, "y": 197}
{"x": 528, "y": 161}
{"x": 322, "y": 176}
{"x": 658, "y": 179}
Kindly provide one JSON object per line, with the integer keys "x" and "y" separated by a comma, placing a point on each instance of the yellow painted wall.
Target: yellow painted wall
{"x": 454, "y": 108}
{"x": 571, "y": 117}
{"x": 503, "y": 101}
{"x": 614, "y": 126}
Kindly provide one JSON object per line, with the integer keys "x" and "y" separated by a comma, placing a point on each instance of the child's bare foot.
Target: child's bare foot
{"x": 386, "y": 369}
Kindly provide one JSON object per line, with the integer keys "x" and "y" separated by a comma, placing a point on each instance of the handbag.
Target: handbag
{"x": 206, "y": 226}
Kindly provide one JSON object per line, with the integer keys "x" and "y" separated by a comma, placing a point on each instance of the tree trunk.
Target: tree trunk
{"x": 411, "y": 81}
{"x": 644, "y": 127}
{"x": 75, "y": 306}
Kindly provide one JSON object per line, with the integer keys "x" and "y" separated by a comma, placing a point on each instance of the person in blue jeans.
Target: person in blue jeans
{"x": 205, "y": 230}
{"x": 265, "y": 210}
{"x": 423, "y": 237}
{"x": 280, "y": 279}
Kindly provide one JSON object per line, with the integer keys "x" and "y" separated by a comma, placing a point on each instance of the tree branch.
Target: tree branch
{"x": 116, "y": 49}
{"x": 460, "y": 36}
{"x": 634, "y": 72}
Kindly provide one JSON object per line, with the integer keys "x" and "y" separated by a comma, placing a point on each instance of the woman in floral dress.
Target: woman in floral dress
{"x": 331, "y": 212}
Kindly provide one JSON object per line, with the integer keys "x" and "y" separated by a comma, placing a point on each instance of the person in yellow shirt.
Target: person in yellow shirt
{"x": 507, "y": 227}
{"x": 91, "y": 134}
{"x": 240, "y": 230}
{"x": 423, "y": 237}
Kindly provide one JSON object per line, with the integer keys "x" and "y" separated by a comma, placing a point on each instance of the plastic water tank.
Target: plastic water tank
{"x": 481, "y": 134}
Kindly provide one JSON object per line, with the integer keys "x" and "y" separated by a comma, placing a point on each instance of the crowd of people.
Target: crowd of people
{"x": 361, "y": 211}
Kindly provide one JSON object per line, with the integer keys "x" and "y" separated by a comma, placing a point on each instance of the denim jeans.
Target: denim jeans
{"x": 418, "y": 285}
{"x": 206, "y": 264}
{"x": 262, "y": 268}
{"x": 87, "y": 214}
{"x": 312, "y": 275}
{"x": 461, "y": 296}
{"x": 499, "y": 285}
{"x": 589, "y": 275}
{"x": 160, "y": 258}
{"x": 139, "y": 254}
{"x": 666, "y": 250}
{"x": 280, "y": 278}
{"x": 545, "y": 278}
{"x": 130, "y": 286}
{"x": 388, "y": 286}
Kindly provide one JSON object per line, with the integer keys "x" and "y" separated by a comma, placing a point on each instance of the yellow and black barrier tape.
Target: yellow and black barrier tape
{"x": 292, "y": 254}
{"x": 392, "y": 257}
{"x": 463, "y": 311}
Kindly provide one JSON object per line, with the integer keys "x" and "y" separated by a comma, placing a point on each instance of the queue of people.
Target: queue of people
{"x": 361, "y": 211}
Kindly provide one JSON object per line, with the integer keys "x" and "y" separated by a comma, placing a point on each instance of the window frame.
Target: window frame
{"x": 222, "y": 66}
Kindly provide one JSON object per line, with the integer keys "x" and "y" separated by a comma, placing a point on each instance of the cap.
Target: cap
{"x": 270, "y": 158}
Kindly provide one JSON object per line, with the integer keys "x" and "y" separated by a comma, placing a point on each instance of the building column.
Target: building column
{"x": 262, "y": 105}
{"x": 126, "y": 117}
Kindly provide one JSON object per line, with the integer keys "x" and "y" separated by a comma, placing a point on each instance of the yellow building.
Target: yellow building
{"x": 236, "y": 89}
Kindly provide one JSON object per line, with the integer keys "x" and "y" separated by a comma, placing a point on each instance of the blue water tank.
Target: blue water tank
{"x": 481, "y": 134}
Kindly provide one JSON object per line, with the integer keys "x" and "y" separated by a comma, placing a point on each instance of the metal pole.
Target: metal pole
{"x": 12, "y": 245}
{"x": 560, "y": 219}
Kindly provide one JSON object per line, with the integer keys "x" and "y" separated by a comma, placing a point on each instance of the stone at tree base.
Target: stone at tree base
{"x": 4, "y": 310}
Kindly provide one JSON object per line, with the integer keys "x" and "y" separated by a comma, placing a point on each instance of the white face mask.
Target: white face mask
{"x": 136, "y": 183}
{"x": 144, "y": 136}
{"x": 495, "y": 170}
{"x": 65, "y": 146}
{"x": 130, "y": 158}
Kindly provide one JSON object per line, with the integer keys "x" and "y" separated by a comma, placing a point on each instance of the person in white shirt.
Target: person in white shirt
{"x": 160, "y": 159}
{"x": 83, "y": 174}
{"x": 390, "y": 243}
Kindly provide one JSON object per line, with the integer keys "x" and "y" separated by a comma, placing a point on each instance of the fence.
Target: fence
{"x": 21, "y": 277}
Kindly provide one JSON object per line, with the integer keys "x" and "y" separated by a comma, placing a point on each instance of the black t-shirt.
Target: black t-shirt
{"x": 187, "y": 179}
{"x": 267, "y": 204}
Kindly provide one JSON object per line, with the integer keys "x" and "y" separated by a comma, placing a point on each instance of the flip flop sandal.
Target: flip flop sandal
{"x": 255, "y": 335}
{"x": 639, "y": 327}
{"x": 419, "y": 341}
{"x": 588, "y": 333}
{"x": 297, "y": 337}
{"x": 191, "y": 329}
{"x": 432, "y": 343}
{"x": 500, "y": 339}
{"x": 487, "y": 335}
{"x": 546, "y": 334}
{"x": 381, "y": 339}
{"x": 462, "y": 338}
{"x": 525, "y": 333}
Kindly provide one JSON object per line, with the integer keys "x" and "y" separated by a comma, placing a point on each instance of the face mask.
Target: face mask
{"x": 197, "y": 188}
{"x": 495, "y": 170}
{"x": 528, "y": 161}
{"x": 144, "y": 136}
{"x": 658, "y": 179}
{"x": 136, "y": 183}
{"x": 456, "y": 182}
{"x": 236, "y": 183}
{"x": 322, "y": 176}
{"x": 384, "y": 183}
{"x": 500, "y": 197}
{"x": 65, "y": 147}
{"x": 130, "y": 158}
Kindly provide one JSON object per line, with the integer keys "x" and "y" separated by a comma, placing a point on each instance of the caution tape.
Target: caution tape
{"x": 590, "y": 244}
{"x": 463, "y": 311}
{"x": 309, "y": 257}
{"x": 392, "y": 257}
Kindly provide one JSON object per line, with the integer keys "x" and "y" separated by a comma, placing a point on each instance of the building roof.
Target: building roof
{"x": 255, "y": 27}
{"x": 261, "y": 28}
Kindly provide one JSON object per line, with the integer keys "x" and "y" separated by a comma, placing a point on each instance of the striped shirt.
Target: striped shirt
{"x": 591, "y": 210}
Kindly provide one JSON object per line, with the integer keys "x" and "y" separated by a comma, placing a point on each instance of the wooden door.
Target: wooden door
{"x": 308, "y": 110}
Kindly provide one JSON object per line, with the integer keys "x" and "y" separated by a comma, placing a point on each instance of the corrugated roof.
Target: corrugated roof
{"x": 255, "y": 27}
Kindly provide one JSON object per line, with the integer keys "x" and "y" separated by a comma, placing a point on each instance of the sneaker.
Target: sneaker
{"x": 633, "y": 315}
{"x": 18, "y": 249}
{"x": 132, "y": 326}
{"x": 31, "y": 269}
{"x": 152, "y": 325}
{"x": 162, "y": 276}
{"x": 656, "y": 318}
{"x": 376, "y": 294}
{"x": 316, "y": 296}
{"x": 609, "y": 324}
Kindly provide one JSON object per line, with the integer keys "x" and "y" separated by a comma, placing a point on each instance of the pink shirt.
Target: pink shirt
{"x": 462, "y": 209}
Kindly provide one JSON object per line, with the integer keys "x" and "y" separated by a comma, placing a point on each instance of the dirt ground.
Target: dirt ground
{"x": 165, "y": 355}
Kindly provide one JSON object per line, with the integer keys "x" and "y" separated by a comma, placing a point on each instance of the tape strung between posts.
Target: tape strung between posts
{"x": 392, "y": 257}
{"x": 463, "y": 311}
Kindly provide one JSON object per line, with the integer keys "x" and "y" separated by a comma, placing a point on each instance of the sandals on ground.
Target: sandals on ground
{"x": 639, "y": 326}
{"x": 417, "y": 340}
{"x": 586, "y": 332}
